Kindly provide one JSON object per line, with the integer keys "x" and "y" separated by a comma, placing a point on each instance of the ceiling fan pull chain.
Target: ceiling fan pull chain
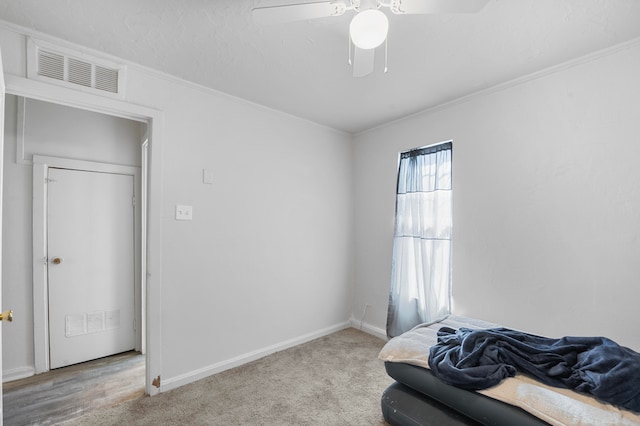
{"x": 349, "y": 51}
{"x": 386, "y": 43}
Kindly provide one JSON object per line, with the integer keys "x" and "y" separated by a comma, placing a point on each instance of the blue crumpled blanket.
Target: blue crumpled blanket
{"x": 478, "y": 359}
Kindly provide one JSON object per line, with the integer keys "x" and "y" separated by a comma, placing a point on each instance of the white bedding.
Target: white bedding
{"x": 556, "y": 406}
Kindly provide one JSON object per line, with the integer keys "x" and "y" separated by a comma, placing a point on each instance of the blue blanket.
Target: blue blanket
{"x": 478, "y": 359}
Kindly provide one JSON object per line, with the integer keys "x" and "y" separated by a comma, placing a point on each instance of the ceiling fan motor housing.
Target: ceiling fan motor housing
{"x": 362, "y": 5}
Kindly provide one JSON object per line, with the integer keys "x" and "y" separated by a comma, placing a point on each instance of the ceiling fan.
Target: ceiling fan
{"x": 369, "y": 25}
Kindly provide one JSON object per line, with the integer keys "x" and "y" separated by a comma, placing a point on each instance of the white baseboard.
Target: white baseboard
{"x": 17, "y": 373}
{"x": 192, "y": 376}
{"x": 368, "y": 328}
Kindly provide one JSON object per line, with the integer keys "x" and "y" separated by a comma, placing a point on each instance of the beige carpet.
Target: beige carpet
{"x": 333, "y": 380}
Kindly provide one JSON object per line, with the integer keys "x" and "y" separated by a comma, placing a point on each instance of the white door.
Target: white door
{"x": 90, "y": 233}
{"x": 1, "y": 173}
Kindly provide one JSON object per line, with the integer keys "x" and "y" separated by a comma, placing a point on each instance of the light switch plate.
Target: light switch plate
{"x": 184, "y": 212}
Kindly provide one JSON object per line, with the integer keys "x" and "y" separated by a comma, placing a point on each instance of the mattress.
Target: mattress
{"x": 403, "y": 406}
{"x": 544, "y": 403}
{"x": 485, "y": 410}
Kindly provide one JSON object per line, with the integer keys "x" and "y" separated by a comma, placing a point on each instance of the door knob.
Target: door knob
{"x": 6, "y": 316}
{"x": 57, "y": 261}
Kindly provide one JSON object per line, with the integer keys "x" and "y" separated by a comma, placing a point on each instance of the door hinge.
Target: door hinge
{"x": 156, "y": 382}
{"x": 47, "y": 180}
{"x": 133, "y": 201}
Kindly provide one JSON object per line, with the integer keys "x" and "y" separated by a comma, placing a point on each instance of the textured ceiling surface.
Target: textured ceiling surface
{"x": 301, "y": 68}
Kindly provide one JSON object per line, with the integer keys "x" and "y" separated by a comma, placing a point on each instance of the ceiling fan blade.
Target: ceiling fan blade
{"x": 297, "y": 12}
{"x": 437, "y": 6}
{"x": 363, "y": 61}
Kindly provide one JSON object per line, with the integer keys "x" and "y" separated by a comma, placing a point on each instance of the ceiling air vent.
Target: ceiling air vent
{"x": 51, "y": 65}
{"x": 75, "y": 70}
{"x": 106, "y": 79}
{"x": 79, "y": 72}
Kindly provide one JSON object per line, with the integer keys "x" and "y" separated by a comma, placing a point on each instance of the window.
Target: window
{"x": 421, "y": 266}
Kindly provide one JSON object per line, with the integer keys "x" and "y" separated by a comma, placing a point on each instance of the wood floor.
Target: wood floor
{"x": 65, "y": 393}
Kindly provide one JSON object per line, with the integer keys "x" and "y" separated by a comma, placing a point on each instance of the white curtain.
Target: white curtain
{"x": 421, "y": 267}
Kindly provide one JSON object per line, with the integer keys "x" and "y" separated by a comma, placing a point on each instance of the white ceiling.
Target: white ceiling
{"x": 301, "y": 68}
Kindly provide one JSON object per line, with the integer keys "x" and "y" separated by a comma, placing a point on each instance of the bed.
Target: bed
{"x": 419, "y": 398}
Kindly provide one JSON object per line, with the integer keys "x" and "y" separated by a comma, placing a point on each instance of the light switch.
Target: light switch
{"x": 184, "y": 212}
{"x": 207, "y": 176}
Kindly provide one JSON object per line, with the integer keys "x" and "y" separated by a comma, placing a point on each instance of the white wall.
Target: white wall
{"x": 57, "y": 131}
{"x": 61, "y": 131}
{"x": 267, "y": 259}
{"x": 546, "y": 201}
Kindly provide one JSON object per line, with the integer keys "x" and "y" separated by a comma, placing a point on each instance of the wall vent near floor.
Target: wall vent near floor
{"x": 74, "y": 69}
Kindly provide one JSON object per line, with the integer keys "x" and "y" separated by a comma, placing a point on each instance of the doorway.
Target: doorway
{"x": 114, "y": 145}
{"x": 30, "y": 89}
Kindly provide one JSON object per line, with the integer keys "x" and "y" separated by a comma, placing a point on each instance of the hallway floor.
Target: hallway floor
{"x": 65, "y": 393}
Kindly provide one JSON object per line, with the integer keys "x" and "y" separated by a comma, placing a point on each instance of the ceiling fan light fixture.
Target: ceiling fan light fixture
{"x": 369, "y": 28}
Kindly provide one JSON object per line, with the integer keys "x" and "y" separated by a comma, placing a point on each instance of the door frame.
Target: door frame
{"x": 20, "y": 86}
{"x": 2, "y": 94}
{"x": 41, "y": 166}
